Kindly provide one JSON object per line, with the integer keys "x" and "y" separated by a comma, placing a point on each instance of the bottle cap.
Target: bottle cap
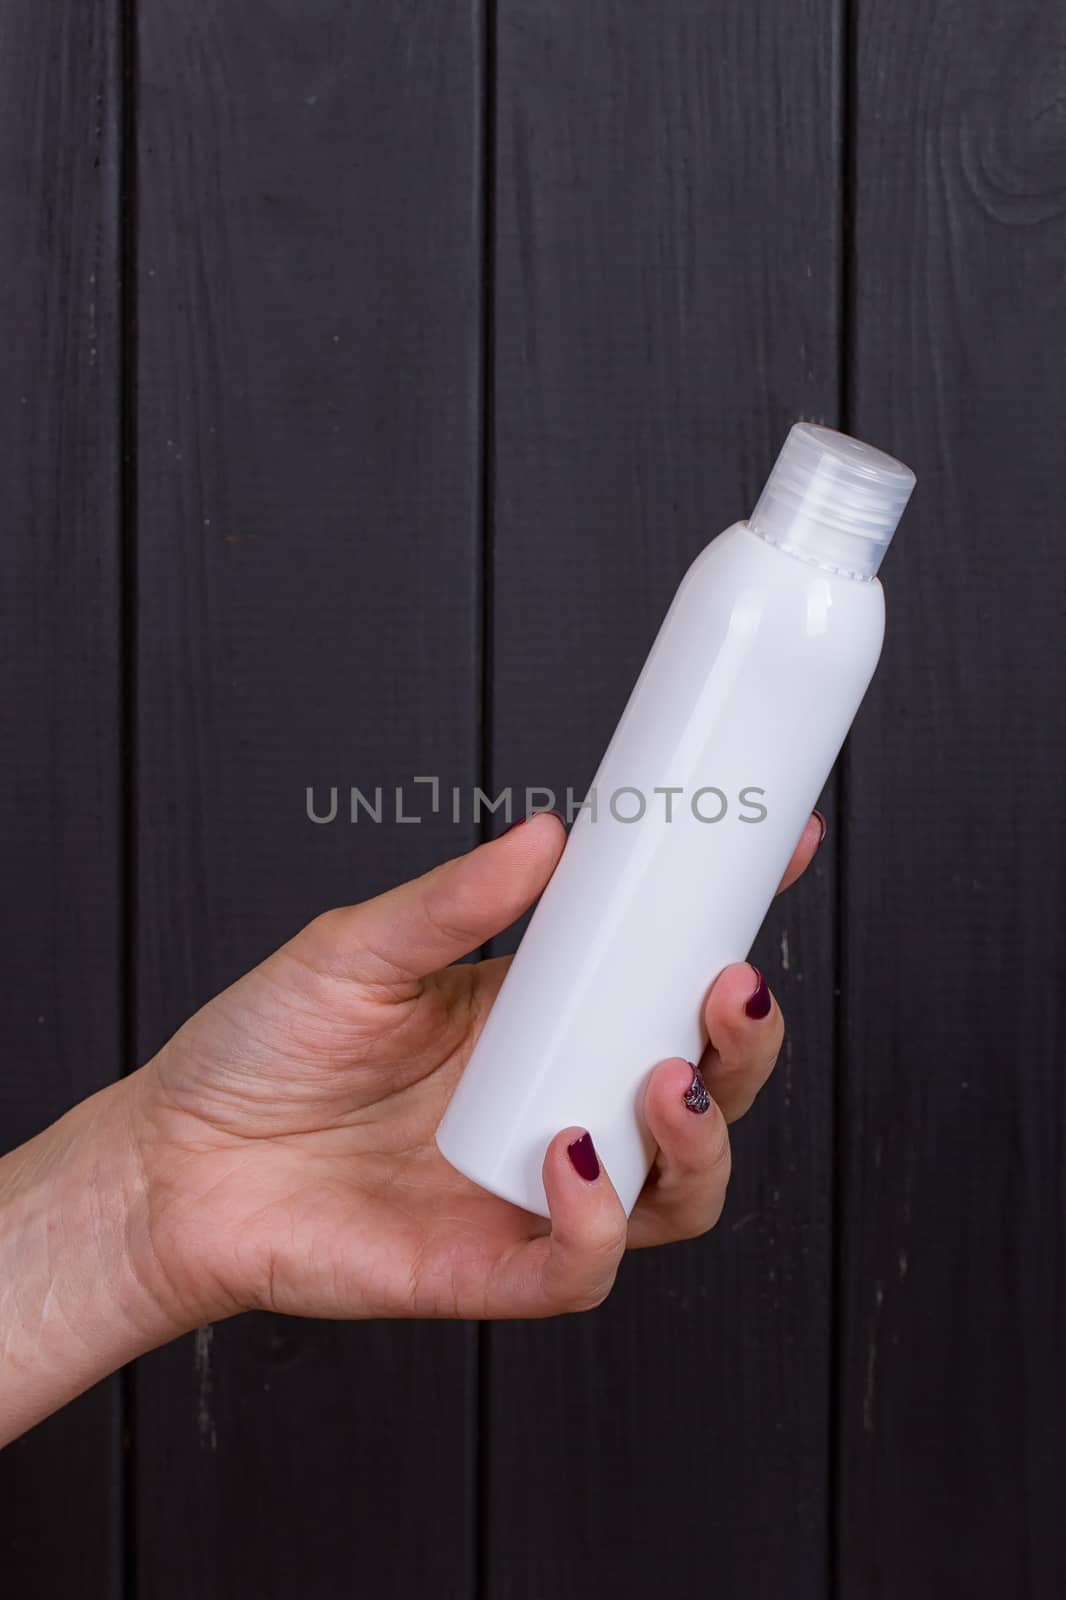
{"x": 833, "y": 501}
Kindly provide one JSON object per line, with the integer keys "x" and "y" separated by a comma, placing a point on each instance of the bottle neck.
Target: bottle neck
{"x": 828, "y": 556}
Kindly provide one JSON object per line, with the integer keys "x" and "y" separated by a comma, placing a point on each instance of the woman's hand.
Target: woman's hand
{"x": 287, "y": 1131}
{"x": 279, "y": 1151}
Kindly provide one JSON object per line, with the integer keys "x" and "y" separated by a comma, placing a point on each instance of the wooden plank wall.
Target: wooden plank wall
{"x": 62, "y": 882}
{"x": 449, "y": 332}
{"x": 666, "y": 297}
{"x": 309, "y": 539}
{"x": 953, "y": 1098}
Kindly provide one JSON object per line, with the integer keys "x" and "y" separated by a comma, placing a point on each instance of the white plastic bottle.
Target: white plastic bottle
{"x": 723, "y": 749}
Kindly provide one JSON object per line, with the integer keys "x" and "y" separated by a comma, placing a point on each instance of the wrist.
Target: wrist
{"x": 80, "y": 1292}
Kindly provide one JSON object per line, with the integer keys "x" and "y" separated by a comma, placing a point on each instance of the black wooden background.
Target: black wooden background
{"x": 371, "y": 370}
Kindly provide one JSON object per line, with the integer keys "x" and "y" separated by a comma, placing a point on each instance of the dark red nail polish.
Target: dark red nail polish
{"x": 516, "y": 824}
{"x": 583, "y": 1158}
{"x": 824, "y": 827}
{"x": 697, "y": 1097}
{"x": 759, "y": 1004}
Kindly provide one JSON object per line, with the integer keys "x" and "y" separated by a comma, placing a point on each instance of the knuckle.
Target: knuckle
{"x": 743, "y": 1079}
{"x": 763, "y": 1071}
{"x": 720, "y": 1154}
{"x": 594, "y": 1278}
{"x": 615, "y": 1243}
{"x": 324, "y": 943}
{"x": 710, "y": 1220}
{"x": 699, "y": 1218}
{"x": 591, "y": 1296}
{"x": 693, "y": 1221}
{"x": 324, "y": 930}
{"x": 698, "y": 1228}
{"x": 701, "y": 1211}
{"x": 448, "y": 915}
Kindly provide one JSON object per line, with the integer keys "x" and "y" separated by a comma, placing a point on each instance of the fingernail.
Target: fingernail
{"x": 824, "y": 827}
{"x": 518, "y": 823}
{"x": 696, "y": 1096}
{"x": 759, "y": 1004}
{"x": 583, "y": 1158}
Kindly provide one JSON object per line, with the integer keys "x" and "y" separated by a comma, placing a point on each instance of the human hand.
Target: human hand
{"x": 286, "y": 1132}
{"x": 279, "y": 1151}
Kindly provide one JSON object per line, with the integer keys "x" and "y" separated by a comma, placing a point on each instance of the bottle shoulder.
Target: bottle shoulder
{"x": 740, "y": 586}
{"x": 738, "y": 560}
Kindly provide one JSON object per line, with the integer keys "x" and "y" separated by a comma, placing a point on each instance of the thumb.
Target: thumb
{"x": 433, "y": 920}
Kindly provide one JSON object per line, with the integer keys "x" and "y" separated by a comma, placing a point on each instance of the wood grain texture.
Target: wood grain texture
{"x": 953, "y": 1475}
{"x": 665, "y": 297}
{"x": 309, "y": 386}
{"x": 667, "y": 245}
{"x": 60, "y": 734}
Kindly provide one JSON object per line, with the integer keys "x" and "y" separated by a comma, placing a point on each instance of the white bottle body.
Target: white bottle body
{"x": 751, "y": 685}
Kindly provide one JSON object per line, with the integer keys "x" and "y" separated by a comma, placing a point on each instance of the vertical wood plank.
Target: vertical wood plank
{"x": 309, "y": 271}
{"x": 953, "y": 1475}
{"x": 60, "y": 736}
{"x": 667, "y": 243}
